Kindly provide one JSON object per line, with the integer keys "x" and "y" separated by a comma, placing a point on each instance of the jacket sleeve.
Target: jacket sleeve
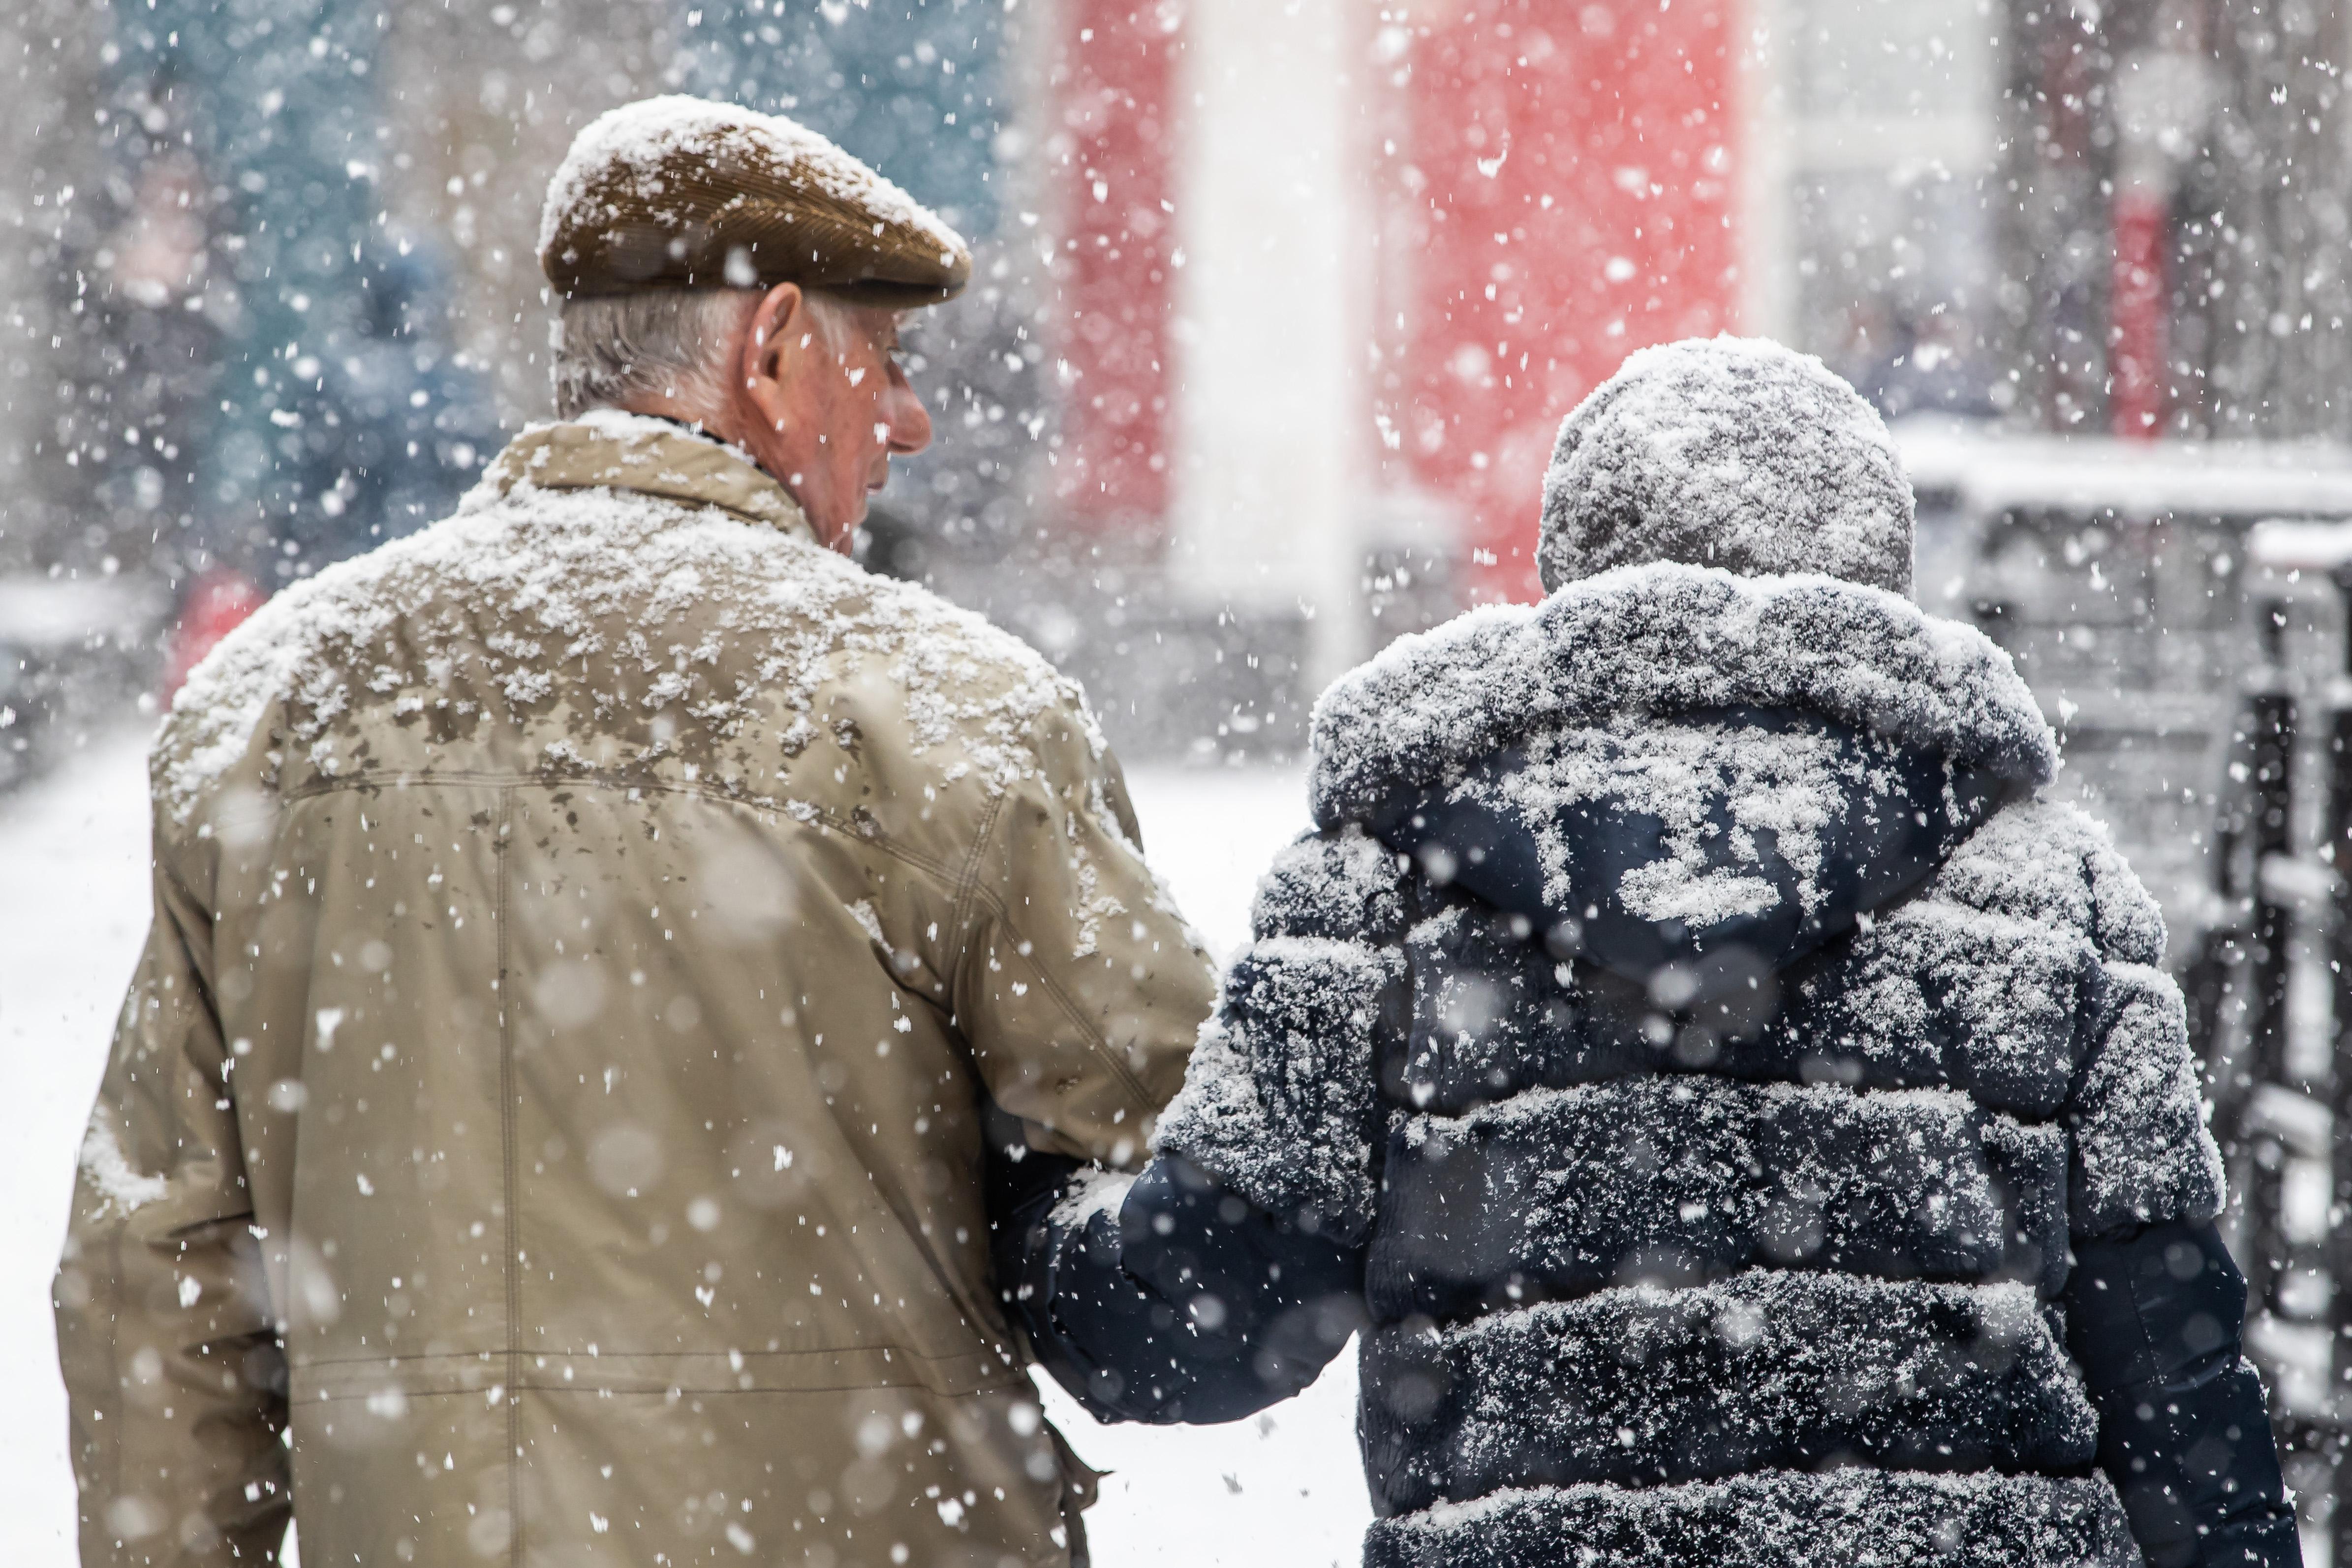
{"x": 2155, "y": 1307}
{"x": 1165, "y": 1298}
{"x": 2155, "y": 1318}
{"x": 173, "y": 1368}
{"x": 1281, "y": 1099}
{"x": 1077, "y": 984}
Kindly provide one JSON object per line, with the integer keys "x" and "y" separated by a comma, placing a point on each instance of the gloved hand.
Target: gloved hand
{"x": 1169, "y": 1297}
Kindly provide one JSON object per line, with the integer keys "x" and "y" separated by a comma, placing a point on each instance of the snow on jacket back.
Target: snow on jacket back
{"x": 589, "y": 937}
{"x": 1719, "y": 1045}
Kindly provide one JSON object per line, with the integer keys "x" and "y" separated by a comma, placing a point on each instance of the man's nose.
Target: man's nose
{"x": 905, "y": 424}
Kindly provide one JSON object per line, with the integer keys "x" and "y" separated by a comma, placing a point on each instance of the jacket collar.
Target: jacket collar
{"x": 608, "y": 449}
{"x": 1659, "y": 641}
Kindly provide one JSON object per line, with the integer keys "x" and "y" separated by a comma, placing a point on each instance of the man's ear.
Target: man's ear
{"x": 773, "y": 348}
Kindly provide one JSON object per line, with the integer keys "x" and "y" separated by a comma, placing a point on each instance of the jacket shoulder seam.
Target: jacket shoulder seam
{"x": 1097, "y": 1042}
{"x": 967, "y": 881}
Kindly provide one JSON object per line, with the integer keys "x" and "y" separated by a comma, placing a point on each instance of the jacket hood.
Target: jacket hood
{"x": 1659, "y": 641}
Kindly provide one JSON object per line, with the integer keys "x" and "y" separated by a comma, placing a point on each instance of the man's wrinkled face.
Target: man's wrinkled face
{"x": 825, "y": 403}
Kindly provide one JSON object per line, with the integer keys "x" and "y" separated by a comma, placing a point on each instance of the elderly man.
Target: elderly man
{"x": 594, "y": 939}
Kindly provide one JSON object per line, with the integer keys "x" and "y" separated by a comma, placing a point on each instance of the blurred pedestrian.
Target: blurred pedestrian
{"x": 312, "y": 404}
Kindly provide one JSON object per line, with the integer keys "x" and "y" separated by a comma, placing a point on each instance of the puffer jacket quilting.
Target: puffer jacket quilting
{"x": 1799, "y": 1198}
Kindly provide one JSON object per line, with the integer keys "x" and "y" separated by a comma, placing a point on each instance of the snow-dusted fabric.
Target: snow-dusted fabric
{"x": 2049, "y": 863}
{"x": 1774, "y": 1518}
{"x": 628, "y": 917}
{"x": 1715, "y": 785}
{"x": 1938, "y": 992}
{"x": 1769, "y": 1370}
{"x": 612, "y": 514}
{"x": 684, "y": 193}
{"x": 1735, "y": 837}
{"x": 1281, "y": 1098}
{"x": 1726, "y": 452}
{"x": 1661, "y": 641}
{"x": 1493, "y": 1012}
{"x": 1772, "y": 1211}
{"x": 629, "y": 152}
{"x": 2141, "y": 1150}
{"x": 1560, "y": 1191}
{"x": 1344, "y": 886}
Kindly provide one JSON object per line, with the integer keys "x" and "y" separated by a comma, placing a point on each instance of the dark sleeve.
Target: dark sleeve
{"x": 2155, "y": 1317}
{"x": 1182, "y": 1303}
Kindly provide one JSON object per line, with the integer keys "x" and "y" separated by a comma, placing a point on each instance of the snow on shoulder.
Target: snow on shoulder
{"x": 605, "y": 572}
{"x": 1657, "y": 641}
{"x": 637, "y": 138}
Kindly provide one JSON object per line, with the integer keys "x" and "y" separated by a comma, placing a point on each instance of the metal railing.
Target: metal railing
{"x": 2276, "y": 1047}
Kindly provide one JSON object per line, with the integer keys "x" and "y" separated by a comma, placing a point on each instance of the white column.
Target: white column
{"x": 1270, "y": 427}
{"x": 1768, "y": 157}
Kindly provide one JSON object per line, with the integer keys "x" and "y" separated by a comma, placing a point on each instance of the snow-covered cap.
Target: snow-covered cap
{"x": 1728, "y": 452}
{"x": 683, "y": 193}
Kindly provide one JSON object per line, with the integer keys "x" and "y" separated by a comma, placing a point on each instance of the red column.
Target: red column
{"x": 1110, "y": 159}
{"x": 2136, "y": 316}
{"x": 1569, "y": 190}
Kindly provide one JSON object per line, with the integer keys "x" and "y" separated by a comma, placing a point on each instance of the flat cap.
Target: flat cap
{"x": 683, "y": 193}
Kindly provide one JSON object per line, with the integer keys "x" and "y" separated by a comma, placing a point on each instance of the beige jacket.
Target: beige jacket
{"x": 585, "y": 934}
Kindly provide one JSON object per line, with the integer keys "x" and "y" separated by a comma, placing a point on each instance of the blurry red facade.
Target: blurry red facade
{"x": 1557, "y": 187}
{"x": 1115, "y": 83}
{"x": 216, "y": 605}
{"x": 2139, "y": 297}
{"x": 1570, "y": 191}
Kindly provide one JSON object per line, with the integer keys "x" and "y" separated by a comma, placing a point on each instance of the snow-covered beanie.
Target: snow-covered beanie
{"x": 1729, "y": 452}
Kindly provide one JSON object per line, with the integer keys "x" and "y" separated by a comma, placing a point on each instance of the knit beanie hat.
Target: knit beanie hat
{"x": 1729, "y": 452}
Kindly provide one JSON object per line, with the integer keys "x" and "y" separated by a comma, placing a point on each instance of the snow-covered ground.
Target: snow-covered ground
{"x": 73, "y": 910}
{"x": 1283, "y": 1487}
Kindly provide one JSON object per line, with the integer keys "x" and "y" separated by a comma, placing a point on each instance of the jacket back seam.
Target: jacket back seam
{"x": 503, "y": 858}
{"x": 965, "y": 892}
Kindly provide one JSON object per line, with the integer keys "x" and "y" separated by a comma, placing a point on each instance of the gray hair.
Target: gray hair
{"x": 660, "y": 342}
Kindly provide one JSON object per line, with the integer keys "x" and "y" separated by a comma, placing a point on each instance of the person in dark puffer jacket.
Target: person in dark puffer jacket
{"x": 1759, "y": 1118}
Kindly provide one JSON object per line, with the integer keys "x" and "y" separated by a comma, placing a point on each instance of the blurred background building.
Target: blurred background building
{"x": 1279, "y": 308}
{"x": 1276, "y": 311}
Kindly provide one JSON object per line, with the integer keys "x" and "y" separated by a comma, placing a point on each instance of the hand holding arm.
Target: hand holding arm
{"x": 1165, "y": 1297}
